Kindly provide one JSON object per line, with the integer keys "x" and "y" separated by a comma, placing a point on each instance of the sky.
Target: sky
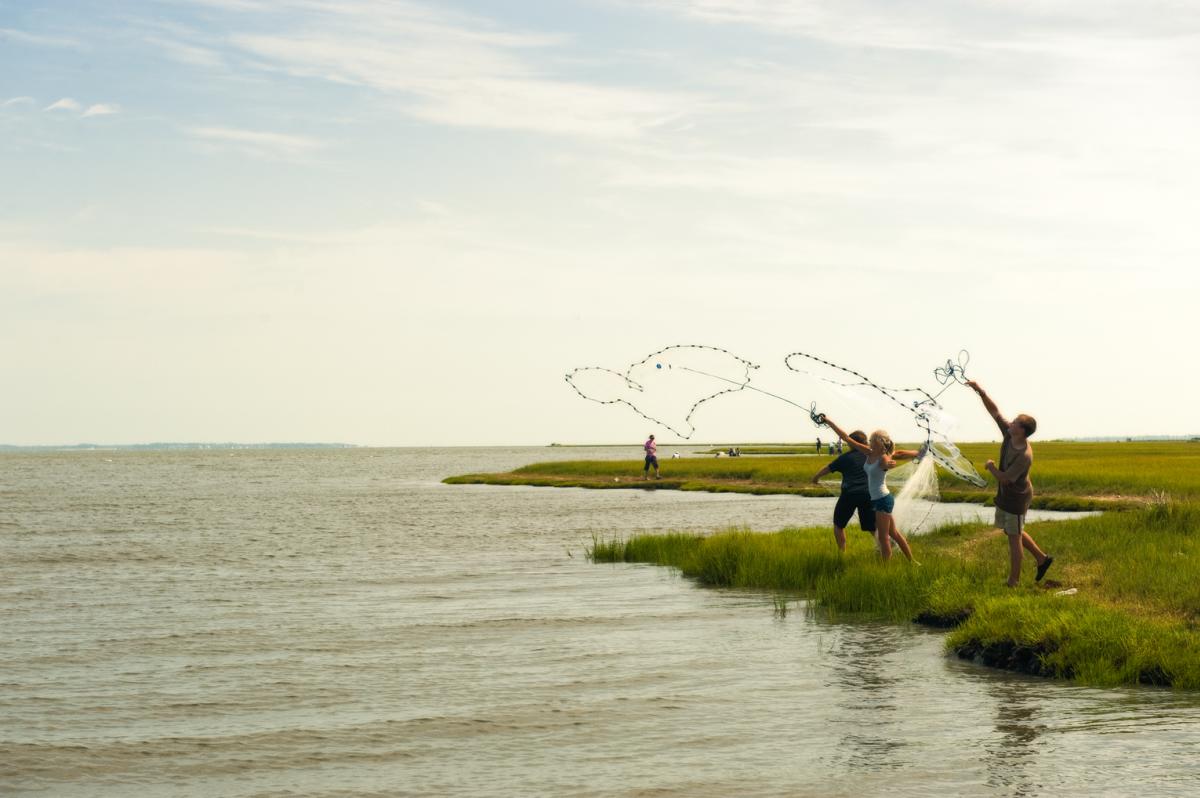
{"x": 402, "y": 223}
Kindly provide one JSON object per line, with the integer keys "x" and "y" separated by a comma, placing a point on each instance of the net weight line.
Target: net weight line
{"x": 819, "y": 420}
{"x": 634, "y": 385}
{"x": 814, "y": 416}
{"x": 948, "y": 375}
{"x": 951, "y": 373}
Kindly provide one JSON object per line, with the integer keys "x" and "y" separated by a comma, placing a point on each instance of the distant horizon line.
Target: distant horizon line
{"x": 203, "y": 445}
{"x": 158, "y": 445}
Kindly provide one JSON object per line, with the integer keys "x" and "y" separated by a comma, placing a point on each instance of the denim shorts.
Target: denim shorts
{"x": 885, "y": 503}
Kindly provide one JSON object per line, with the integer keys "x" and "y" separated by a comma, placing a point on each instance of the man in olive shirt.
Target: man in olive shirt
{"x": 1014, "y": 491}
{"x": 855, "y": 495}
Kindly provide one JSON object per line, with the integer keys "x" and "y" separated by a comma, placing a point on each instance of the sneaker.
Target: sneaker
{"x": 1043, "y": 568}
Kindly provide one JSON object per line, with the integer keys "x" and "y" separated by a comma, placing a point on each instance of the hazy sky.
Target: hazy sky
{"x": 401, "y": 223}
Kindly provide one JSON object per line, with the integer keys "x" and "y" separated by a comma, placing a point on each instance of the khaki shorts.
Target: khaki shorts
{"x": 1011, "y": 523}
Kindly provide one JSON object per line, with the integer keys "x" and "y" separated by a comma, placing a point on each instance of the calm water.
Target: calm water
{"x": 340, "y": 623}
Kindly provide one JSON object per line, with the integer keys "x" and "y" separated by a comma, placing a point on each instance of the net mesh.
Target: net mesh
{"x": 668, "y": 387}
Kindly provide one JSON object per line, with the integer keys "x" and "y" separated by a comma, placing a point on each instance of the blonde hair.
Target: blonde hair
{"x": 882, "y": 436}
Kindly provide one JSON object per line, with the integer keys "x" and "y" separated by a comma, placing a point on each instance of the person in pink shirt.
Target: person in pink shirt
{"x": 651, "y": 459}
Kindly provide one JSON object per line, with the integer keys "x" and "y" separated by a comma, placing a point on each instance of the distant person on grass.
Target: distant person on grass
{"x": 854, "y": 495}
{"x": 881, "y": 456}
{"x": 651, "y": 459}
{"x": 1014, "y": 491}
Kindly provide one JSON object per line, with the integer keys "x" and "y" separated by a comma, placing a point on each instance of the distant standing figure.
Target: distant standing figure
{"x": 818, "y": 445}
{"x": 1014, "y": 491}
{"x": 831, "y": 450}
{"x": 839, "y": 443}
{"x": 651, "y": 458}
{"x": 854, "y": 496}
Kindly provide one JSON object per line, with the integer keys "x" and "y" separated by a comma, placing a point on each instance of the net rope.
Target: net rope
{"x": 923, "y": 409}
{"x": 657, "y": 357}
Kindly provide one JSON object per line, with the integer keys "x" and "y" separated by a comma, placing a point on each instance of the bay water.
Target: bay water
{"x": 339, "y": 622}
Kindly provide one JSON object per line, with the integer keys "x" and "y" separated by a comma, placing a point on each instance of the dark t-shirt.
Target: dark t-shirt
{"x": 1016, "y": 496}
{"x": 850, "y": 466}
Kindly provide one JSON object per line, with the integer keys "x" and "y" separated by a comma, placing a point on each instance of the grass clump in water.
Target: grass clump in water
{"x": 1081, "y": 640}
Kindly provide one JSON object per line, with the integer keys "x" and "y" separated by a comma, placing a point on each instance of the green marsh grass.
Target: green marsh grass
{"x": 1067, "y": 475}
{"x": 1135, "y": 617}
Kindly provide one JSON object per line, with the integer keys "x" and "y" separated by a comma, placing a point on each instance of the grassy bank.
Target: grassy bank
{"x": 1135, "y": 617}
{"x": 1068, "y": 476}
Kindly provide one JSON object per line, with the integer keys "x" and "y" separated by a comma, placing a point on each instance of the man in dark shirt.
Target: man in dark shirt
{"x": 855, "y": 495}
{"x": 1014, "y": 491}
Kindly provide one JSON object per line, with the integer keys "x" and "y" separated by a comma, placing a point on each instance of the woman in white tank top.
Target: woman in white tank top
{"x": 882, "y": 455}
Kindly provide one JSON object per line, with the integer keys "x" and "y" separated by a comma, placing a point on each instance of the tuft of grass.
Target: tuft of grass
{"x": 1080, "y": 640}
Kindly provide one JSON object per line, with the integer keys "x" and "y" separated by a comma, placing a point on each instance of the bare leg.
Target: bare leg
{"x": 839, "y": 534}
{"x": 1014, "y": 558}
{"x": 882, "y": 528}
{"x": 901, "y": 541}
{"x": 1032, "y": 547}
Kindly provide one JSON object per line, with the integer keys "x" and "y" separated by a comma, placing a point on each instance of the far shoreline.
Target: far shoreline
{"x": 1077, "y": 476}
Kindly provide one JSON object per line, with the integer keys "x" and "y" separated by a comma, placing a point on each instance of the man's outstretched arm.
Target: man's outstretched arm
{"x": 989, "y": 405}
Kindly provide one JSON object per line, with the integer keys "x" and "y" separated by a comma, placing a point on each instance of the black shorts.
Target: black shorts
{"x": 847, "y": 504}
{"x": 651, "y": 460}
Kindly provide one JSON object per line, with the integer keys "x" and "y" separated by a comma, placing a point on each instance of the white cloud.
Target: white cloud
{"x": 102, "y": 109}
{"x": 233, "y": 5}
{"x": 259, "y": 142}
{"x": 65, "y": 104}
{"x": 17, "y": 101}
{"x": 24, "y": 37}
{"x": 453, "y": 69}
{"x": 278, "y": 236}
{"x": 432, "y": 208}
{"x": 70, "y": 105}
{"x": 186, "y": 53}
{"x": 951, "y": 26}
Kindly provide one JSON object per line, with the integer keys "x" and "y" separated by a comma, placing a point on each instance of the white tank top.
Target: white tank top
{"x": 876, "y": 485}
